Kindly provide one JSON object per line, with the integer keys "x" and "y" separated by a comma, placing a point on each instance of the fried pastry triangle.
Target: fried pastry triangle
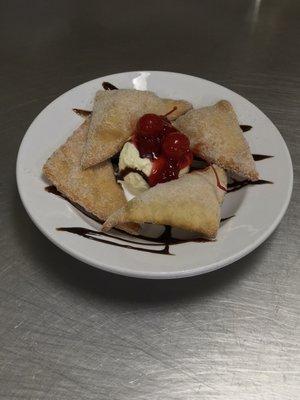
{"x": 190, "y": 203}
{"x": 94, "y": 189}
{"x": 216, "y": 136}
{"x": 114, "y": 118}
{"x": 217, "y": 177}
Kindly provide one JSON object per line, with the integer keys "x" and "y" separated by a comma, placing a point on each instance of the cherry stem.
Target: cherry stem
{"x": 220, "y": 186}
{"x": 218, "y": 180}
{"x": 170, "y": 112}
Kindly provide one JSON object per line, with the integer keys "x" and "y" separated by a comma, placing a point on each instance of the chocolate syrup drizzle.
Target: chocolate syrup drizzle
{"x": 237, "y": 185}
{"x": 109, "y": 86}
{"x": 245, "y": 128}
{"x": 165, "y": 239}
{"x": 98, "y": 237}
{"x": 121, "y": 174}
{"x": 82, "y": 113}
{"x": 52, "y": 189}
{"x": 85, "y": 113}
{"x": 259, "y": 157}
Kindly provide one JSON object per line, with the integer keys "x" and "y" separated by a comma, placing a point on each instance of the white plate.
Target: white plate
{"x": 257, "y": 209}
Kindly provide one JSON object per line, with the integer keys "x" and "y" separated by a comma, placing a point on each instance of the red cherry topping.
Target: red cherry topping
{"x": 150, "y": 124}
{"x": 187, "y": 159}
{"x": 159, "y": 165}
{"x": 171, "y": 171}
{"x": 168, "y": 127}
{"x": 163, "y": 170}
{"x": 156, "y": 138}
{"x": 175, "y": 145}
{"x": 149, "y": 145}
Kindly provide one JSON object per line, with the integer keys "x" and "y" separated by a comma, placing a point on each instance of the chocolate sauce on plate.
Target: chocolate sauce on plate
{"x": 98, "y": 237}
{"x": 121, "y": 175}
{"x": 237, "y": 185}
{"x": 245, "y": 128}
{"x": 52, "y": 189}
{"x": 226, "y": 219}
{"x": 259, "y": 157}
{"x": 165, "y": 239}
{"x": 82, "y": 113}
{"x": 86, "y": 113}
{"x": 109, "y": 86}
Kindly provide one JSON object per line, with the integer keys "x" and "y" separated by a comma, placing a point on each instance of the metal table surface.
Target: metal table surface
{"x": 69, "y": 331}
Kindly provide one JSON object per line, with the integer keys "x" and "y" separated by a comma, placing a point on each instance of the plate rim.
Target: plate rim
{"x": 191, "y": 271}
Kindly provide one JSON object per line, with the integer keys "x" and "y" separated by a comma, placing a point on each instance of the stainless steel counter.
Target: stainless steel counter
{"x": 68, "y": 331}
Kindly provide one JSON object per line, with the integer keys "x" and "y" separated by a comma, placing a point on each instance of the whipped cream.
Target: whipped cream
{"x": 130, "y": 158}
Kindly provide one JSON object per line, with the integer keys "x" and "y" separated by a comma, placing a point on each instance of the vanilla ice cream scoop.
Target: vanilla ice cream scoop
{"x": 136, "y": 170}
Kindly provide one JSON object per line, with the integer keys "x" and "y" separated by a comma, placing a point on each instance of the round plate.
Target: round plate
{"x": 257, "y": 209}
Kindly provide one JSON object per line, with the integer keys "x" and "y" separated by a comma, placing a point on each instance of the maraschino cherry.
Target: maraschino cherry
{"x": 175, "y": 145}
{"x": 156, "y": 138}
{"x": 149, "y": 135}
{"x": 150, "y": 124}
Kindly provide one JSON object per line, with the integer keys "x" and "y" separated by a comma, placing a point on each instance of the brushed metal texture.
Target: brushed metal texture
{"x": 68, "y": 331}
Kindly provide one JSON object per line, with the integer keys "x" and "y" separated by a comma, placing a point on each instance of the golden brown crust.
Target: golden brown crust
{"x": 215, "y": 135}
{"x": 94, "y": 189}
{"x": 189, "y": 203}
{"x": 215, "y": 175}
{"x": 114, "y": 119}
